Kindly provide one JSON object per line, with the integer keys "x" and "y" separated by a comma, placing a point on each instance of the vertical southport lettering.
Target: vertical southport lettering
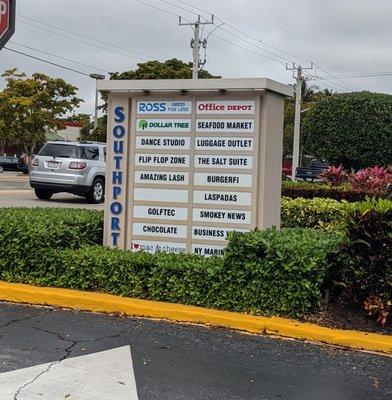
{"x": 116, "y": 207}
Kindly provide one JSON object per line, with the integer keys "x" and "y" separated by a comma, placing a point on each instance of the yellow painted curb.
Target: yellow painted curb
{"x": 100, "y": 302}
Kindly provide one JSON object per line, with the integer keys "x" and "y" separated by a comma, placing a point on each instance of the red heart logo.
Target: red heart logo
{"x": 135, "y": 245}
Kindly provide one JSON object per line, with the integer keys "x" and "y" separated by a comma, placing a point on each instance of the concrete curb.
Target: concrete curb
{"x": 99, "y": 302}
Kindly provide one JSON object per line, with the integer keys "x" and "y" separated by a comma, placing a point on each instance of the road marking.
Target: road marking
{"x": 99, "y": 376}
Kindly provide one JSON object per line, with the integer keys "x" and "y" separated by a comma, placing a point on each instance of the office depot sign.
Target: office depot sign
{"x": 226, "y": 107}
{"x": 190, "y": 161}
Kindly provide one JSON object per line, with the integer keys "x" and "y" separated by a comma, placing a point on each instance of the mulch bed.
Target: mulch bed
{"x": 338, "y": 315}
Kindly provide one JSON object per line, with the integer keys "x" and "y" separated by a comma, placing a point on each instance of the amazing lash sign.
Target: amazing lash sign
{"x": 185, "y": 171}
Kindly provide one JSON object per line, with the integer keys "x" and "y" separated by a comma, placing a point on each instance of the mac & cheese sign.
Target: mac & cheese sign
{"x": 185, "y": 170}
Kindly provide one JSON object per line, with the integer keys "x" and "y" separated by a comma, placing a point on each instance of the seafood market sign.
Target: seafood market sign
{"x": 190, "y": 161}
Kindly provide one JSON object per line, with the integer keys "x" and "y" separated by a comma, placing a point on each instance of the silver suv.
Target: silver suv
{"x": 72, "y": 167}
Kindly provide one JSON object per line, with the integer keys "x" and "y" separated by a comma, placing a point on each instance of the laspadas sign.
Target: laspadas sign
{"x": 7, "y": 21}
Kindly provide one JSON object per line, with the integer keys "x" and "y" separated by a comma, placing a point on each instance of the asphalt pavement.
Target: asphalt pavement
{"x": 173, "y": 361}
{"x": 15, "y": 191}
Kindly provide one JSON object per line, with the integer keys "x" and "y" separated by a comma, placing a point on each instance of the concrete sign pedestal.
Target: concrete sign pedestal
{"x": 191, "y": 160}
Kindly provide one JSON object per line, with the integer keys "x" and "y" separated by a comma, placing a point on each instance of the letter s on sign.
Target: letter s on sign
{"x": 119, "y": 114}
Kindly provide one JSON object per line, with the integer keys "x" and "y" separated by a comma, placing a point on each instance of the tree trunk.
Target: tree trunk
{"x": 30, "y": 154}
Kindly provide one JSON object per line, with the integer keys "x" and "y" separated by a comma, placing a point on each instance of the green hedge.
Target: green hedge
{"x": 309, "y": 190}
{"x": 326, "y": 214}
{"x": 27, "y": 234}
{"x": 269, "y": 272}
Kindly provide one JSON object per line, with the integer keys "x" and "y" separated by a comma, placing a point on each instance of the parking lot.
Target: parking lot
{"x": 15, "y": 191}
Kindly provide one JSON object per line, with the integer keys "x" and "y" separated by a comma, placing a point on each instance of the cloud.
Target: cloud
{"x": 344, "y": 37}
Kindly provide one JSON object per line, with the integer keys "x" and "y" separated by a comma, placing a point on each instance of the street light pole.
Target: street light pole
{"x": 96, "y": 77}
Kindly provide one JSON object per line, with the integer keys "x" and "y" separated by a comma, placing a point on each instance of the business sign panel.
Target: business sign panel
{"x": 154, "y": 246}
{"x": 164, "y": 107}
{"x": 223, "y": 143}
{"x": 225, "y": 107}
{"x": 162, "y": 142}
{"x": 163, "y": 125}
{"x": 184, "y": 173}
{"x": 225, "y": 125}
{"x": 164, "y": 178}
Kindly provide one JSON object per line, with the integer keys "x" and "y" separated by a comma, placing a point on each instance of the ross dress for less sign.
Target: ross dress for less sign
{"x": 191, "y": 170}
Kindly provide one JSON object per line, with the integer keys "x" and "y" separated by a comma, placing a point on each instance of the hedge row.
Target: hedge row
{"x": 326, "y": 214}
{"x": 27, "y": 233}
{"x": 271, "y": 272}
{"x": 309, "y": 190}
{"x": 268, "y": 272}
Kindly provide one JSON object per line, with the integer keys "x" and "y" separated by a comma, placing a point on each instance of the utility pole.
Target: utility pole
{"x": 97, "y": 77}
{"x": 196, "y": 42}
{"x": 297, "y": 74}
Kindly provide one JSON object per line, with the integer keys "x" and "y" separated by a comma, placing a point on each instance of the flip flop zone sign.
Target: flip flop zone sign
{"x": 7, "y": 21}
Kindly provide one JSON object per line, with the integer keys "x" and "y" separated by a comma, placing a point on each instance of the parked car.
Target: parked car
{"x": 72, "y": 167}
{"x": 8, "y": 163}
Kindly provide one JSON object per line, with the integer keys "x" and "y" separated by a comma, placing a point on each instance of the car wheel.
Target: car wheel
{"x": 96, "y": 194}
{"x": 1, "y": 169}
{"x": 43, "y": 194}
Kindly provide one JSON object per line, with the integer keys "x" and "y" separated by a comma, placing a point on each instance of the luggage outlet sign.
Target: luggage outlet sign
{"x": 191, "y": 161}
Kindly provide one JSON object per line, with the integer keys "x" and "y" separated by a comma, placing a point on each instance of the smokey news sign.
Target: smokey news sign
{"x": 186, "y": 170}
{"x": 7, "y": 21}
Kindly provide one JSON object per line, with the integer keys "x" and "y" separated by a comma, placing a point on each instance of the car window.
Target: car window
{"x": 90, "y": 153}
{"x": 60, "y": 150}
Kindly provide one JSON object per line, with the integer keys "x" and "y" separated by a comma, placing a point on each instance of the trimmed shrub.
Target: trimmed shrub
{"x": 309, "y": 190}
{"x": 270, "y": 272}
{"x": 276, "y": 272}
{"x": 366, "y": 270}
{"x": 326, "y": 214}
{"x": 27, "y": 235}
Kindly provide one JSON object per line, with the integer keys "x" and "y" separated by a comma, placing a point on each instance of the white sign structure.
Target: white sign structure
{"x": 189, "y": 161}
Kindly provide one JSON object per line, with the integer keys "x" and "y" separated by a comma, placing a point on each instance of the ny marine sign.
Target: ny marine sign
{"x": 7, "y": 21}
{"x": 190, "y": 161}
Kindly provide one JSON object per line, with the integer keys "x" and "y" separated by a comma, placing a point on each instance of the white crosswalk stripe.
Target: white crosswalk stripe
{"x": 107, "y": 375}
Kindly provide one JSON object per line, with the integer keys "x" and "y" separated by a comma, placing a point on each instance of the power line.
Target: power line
{"x": 364, "y": 75}
{"x": 60, "y": 57}
{"x": 334, "y": 77}
{"x": 46, "y": 61}
{"x": 245, "y": 48}
{"x": 245, "y": 33}
{"x": 179, "y": 7}
{"x": 317, "y": 78}
{"x": 252, "y": 44}
{"x": 160, "y": 9}
{"x": 85, "y": 36}
{"x": 194, "y": 7}
{"x": 82, "y": 41}
{"x": 264, "y": 43}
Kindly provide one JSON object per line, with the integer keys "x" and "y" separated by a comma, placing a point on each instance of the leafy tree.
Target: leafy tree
{"x": 169, "y": 69}
{"x": 29, "y": 106}
{"x": 98, "y": 134}
{"x": 353, "y": 129}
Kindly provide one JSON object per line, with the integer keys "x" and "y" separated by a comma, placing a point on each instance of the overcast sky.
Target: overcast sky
{"x": 344, "y": 37}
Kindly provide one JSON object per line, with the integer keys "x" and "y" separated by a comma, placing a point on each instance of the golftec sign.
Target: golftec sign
{"x": 7, "y": 21}
{"x": 187, "y": 167}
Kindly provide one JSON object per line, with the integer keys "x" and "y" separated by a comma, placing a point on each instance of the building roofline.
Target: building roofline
{"x": 226, "y": 84}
